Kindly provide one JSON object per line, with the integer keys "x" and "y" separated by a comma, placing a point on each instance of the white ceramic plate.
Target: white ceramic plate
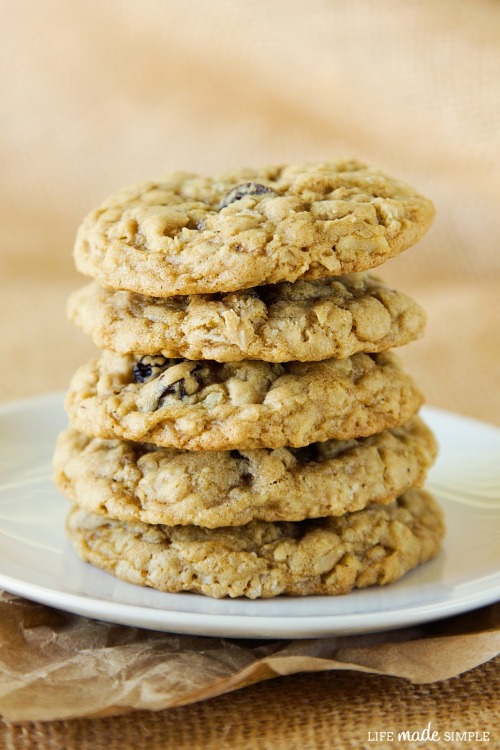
{"x": 37, "y": 562}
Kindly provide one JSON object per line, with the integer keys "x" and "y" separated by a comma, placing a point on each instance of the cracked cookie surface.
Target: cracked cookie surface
{"x": 327, "y": 556}
{"x": 207, "y": 405}
{"x": 188, "y": 234}
{"x": 303, "y": 321}
{"x": 138, "y": 482}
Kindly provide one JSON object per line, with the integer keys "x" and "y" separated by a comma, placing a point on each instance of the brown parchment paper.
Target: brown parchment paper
{"x": 55, "y": 665}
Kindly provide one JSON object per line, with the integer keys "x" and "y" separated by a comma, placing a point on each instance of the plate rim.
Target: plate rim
{"x": 249, "y": 625}
{"x": 240, "y": 625}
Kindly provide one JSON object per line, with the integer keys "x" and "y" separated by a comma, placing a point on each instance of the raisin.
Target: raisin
{"x": 238, "y": 192}
{"x": 237, "y": 454}
{"x": 246, "y": 477}
{"x": 197, "y": 374}
{"x": 178, "y": 388}
{"x": 142, "y": 372}
{"x": 149, "y": 367}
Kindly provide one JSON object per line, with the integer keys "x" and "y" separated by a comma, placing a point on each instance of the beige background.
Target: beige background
{"x": 98, "y": 95}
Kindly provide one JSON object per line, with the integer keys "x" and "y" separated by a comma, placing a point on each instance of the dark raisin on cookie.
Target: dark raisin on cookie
{"x": 246, "y": 477}
{"x": 197, "y": 373}
{"x": 149, "y": 367}
{"x": 178, "y": 388}
{"x": 187, "y": 385}
{"x": 238, "y": 192}
{"x": 237, "y": 454}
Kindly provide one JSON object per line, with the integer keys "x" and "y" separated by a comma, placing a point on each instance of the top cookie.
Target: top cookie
{"x": 187, "y": 234}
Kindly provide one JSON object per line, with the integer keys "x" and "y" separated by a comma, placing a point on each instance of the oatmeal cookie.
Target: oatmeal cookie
{"x": 303, "y": 321}
{"x": 205, "y": 405}
{"x": 188, "y": 234}
{"x": 140, "y": 482}
{"x": 330, "y": 555}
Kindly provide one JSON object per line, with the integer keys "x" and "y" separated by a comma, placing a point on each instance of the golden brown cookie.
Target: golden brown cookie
{"x": 188, "y": 234}
{"x": 331, "y": 555}
{"x": 138, "y": 482}
{"x": 206, "y": 405}
{"x": 303, "y": 321}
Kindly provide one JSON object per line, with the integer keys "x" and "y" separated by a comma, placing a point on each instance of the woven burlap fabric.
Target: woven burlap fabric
{"x": 301, "y": 712}
{"x": 95, "y": 96}
{"x": 94, "y": 99}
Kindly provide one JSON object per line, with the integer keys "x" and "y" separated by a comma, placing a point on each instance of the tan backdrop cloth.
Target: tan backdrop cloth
{"x": 97, "y": 95}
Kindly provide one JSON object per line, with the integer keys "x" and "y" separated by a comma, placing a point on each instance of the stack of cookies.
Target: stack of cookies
{"x": 246, "y": 431}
